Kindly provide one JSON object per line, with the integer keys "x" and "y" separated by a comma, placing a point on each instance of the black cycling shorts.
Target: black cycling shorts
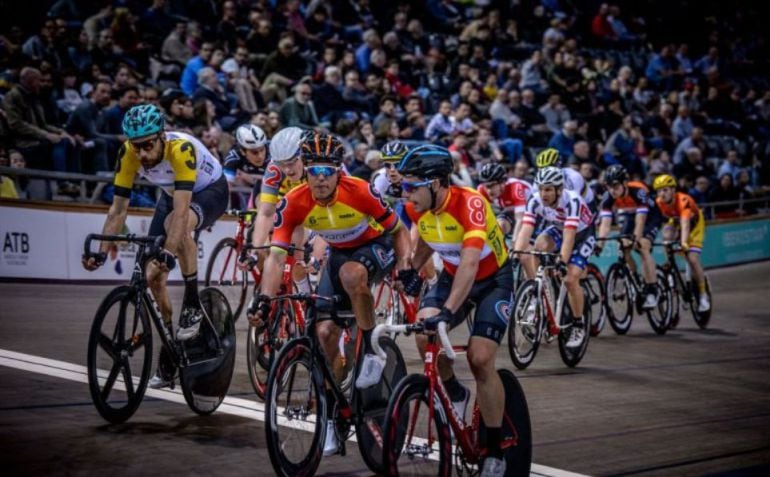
{"x": 378, "y": 256}
{"x": 492, "y": 297}
{"x": 208, "y": 204}
{"x": 651, "y": 225}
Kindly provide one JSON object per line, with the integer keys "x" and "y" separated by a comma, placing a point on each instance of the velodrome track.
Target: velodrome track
{"x": 688, "y": 403}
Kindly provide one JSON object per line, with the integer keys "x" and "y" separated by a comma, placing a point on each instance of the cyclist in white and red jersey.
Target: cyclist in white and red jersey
{"x": 507, "y": 196}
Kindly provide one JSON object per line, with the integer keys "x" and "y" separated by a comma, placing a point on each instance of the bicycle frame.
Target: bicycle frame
{"x": 671, "y": 251}
{"x": 408, "y": 304}
{"x": 240, "y": 240}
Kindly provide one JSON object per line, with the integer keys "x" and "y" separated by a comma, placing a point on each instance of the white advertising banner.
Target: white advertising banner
{"x": 43, "y": 244}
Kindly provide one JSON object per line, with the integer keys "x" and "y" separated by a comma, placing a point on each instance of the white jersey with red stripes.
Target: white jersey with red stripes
{"x": 570, "y": 211}
{"x": 513, "y": 198}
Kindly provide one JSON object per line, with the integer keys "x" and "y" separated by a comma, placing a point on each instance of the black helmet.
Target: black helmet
{"x": 321, "y": 148}
{"x": 492, "y": 172}
{"x": 615, "y": 174}
{"x": 427, "y": 162}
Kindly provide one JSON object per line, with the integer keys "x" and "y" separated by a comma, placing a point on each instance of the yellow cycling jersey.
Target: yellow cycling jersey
{"x": 186, "y": 165}
{"x": 276, "y": 184}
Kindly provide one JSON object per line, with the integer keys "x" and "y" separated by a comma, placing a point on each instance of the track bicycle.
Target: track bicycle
{"x": 301, "y": 383}
{"x": 393, "y": 306}
{"x": 625, "y": 293}
{"x": 420, "y": 415}
{"x": 223, "y": 270}
{"x": 684, "y": 289}
{"x": 542, "y": 313}
{"x": 120, "y": 343}
{"x": 594, "y": 282}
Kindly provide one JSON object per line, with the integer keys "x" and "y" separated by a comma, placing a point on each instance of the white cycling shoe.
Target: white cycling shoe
{"x": 493, "y": 467}
{"x": 331, "y": 444}
{"x": 371, "y": 371}
{"x": 576, "y": 336}
{"x": 704, "y": 304}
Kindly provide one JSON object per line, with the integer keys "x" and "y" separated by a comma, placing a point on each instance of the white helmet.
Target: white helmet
{"x": 285, "y": 144}
{"x": 250, "y": 136}
{"x": 549, "y": 176}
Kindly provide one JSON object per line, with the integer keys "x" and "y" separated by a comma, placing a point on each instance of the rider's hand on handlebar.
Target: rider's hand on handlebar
{"x": 431, "y": 324}
{"x": 165, "y": 260}
{"x": 561, "y": 268}
{"x": 93, "y": 261}
{"x": 247, "y": 261}
{"x": 685, "y": 246}
{"x": 258, "y": 310}
{"x": 411, "y": 281}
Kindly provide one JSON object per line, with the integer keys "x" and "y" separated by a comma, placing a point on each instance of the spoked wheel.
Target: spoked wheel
{"x": 262, "y": 344}
{"x": 418, "y": 441}
{"x": 518, "y": 276}
{"x": 619, "y": 301}
{"x": 119, "y": 345}
{"x": 295, "y": 412}
{"x": 371, "y": 404}
{"x": 222, "y": 272}
{"x": 206, "y": 379}
{"x": 660, "y": 316}
{"x": 677, "y": 300}
{"x": 594, "y": 282}
{"x": 572, "y": 355}
{"x": 525, "y": 326}
{"x": 701, "y": 318}
{"x": 516, "y": 439}
{"x": 387, "y": 304}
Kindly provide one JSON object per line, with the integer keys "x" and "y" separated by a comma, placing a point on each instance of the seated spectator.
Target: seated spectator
{"x": 112, "y": 118}
{"x": 500, "y": 111}
{"x": 581, "y": 153}
{"x": 178, "y": 109}
{"x": 8, "y": 184}
{"x": 682, "y": 126}
{"x": 372, "y": 162}
{"x": 189, "y": 81}
{"x": 441, "y": 125}
{"x": 695, "y": 140}
{"x": 730, "y": 165}
{"x": 461, "y": 120}
{"x": 460, "y": 175}
{"x": 708, "y": 63}
{"x": 663, "y": 70}
{"x": 660, "y": 163}
{"x": 327, "y": 98}
{"x": 692, "y": 166}
{"x": 621, "y": 148}
{"x": 386, "y": 114}
{"x": 298, "y": 110}
{"x": 174, "y": 49}
{"x": 529, "y": 113}
{"x": 725, "y": 191}
{"x": 286, "y": 62}
{"x": 211, "y": 89}
{"x": 83, "y": 124}
{"x": 746, "y": 193}
{"x": 565, "y": 139}
{"x": 485, "y": 149}
{"x": 700, "y": 190}
{"x": 242, "y": 81}
{"x": 533, "y": 74}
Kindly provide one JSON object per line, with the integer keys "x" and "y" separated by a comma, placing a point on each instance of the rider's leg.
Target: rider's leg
{"x": 574, "y": 291}
{"x": 644, "y": 247}
{"x": 693, "y": 258}
{"x": 156, "y": 280}
{"x": 299, "y": 273}
{"x": 187, "y": 254}
{"x": 445, "y": 370}
{"x": 489, "y": 389}
{"x": 355, "y": 280}
{"x": 329, "y": 337}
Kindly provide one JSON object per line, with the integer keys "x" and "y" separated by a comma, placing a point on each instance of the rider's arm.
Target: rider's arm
{"x": 263, "y": 223}
{"x": 639, "y": 221}
{"x": 604, "y": 227}
{"x": 116, "y": 217}
{"x": 178, "y": 221}
{"x": 522, "y": 243}
{"x": 684, "y": 225}
{"x": 402, "y": 243}
{"x": 464, "y": 278}
{"x": 422, "y": 253}
{"x": 272, "y": 272}
{"x": 568, "y": 243}
{"x": 518, "y": 217}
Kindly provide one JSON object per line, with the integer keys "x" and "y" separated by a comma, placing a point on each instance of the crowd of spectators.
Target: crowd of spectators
{"x": 492, "y": 80}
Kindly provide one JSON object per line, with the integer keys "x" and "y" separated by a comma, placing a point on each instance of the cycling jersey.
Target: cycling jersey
{"x": 637, "y": 199}
{"x": 569, "y": 212}
{"x": 235, "y": 161}
{"x": 464, "y": 220}
{"x": 356, "y": 215}
{"x": 186, "y": 165}
{"x": 574, "y": 181}
{"x": 512, "y": 199}
{"x": 682, "y": 208}
{"x": 391, "y": 192}
{"x": 276, "y": 184}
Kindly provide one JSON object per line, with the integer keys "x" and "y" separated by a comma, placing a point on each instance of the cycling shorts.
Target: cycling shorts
{"x": 651, "y": 225}
{"x": 492, "y": 297}
{"x": 585, "y": 242}
{"x": 378, "y": 256}
{"x": 697, "y": 233}
{"x": 208, "y": 205}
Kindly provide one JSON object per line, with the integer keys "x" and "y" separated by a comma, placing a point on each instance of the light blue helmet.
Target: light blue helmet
{"x": 143, "y": 120}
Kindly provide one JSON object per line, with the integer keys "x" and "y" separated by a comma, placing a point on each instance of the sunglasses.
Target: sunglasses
{"x": 410, "y": 187}
{"x": 325, "y": 171}
{"x": 144, "y": 145}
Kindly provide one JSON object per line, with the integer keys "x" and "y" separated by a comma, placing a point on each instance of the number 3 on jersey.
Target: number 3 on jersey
{"x": 190, "y": 149}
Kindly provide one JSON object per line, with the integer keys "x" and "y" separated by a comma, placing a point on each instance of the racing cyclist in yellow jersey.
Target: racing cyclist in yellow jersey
{"x": 459, "y": 224}
{"x": 194, "y": 196}
{"x": 362, "y": 232}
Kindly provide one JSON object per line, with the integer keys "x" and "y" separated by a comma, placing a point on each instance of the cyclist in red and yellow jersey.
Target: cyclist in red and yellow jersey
{"x": 363, "y": 233}
{"x": 459, "y": 224}
{"x": 686, "y": 220}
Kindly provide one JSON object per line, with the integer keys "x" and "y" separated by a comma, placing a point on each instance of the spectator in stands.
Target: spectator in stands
{"x": 485, "y": 149}
{"x": 529, "y": 114}
{"x": 555, "y": 113}
{"x": 440, "y": 125}
{"x": 285, "y": 62}
{"x": 80, "y": 53}
{"x": 112, "y": 118}
{"x": 533, "y": 74}
{"x": 8, "y": 185}
{"x": 327, "y": 98}
{"x": 660, "y": 163}
{"x": 175, "y": 49}
{"x": 621, "y": 147}
{"x": 460, "y": 175}
{"x": 41, "y": 47}
{"x": 580, "y": 153}
{"x": 179, "y": 110}
{"x": 565, "y": 139}
{"x": 692, "y": 166}
{"x": 104, "y": 53}
{"x": 601, "y": 27}
{"x": 663, "y": 71}
{"x": 500, "y": 111}
{"x": 700, "y": 189}
{"x": 189, "y": 81}
{"x": 730, "y": 165}
{"x": 372, "y": 162}
{"x": 298, "y": 110}
{"x": 708, "y": 62}
{"x": 695, "y": 140}
{"x": 242, "y": 81}
{"x": 461, "y": 120}
{"x": 355, "y": 94}
{"x": 682, "y": 126}
{"x": 521, "y": 169}
{"x": 725, "y": 191}
{"x": 83, "y": 125}
{"x": 386, "y": 114}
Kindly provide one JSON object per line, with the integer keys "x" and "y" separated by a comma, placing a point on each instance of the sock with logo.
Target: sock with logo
{"x": 303, "y": 285}
{"x": 191, "y": 290}
{"x": 494, "y": 436}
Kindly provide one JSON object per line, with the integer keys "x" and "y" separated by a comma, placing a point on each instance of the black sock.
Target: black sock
{"x": 330, "y": 403}
{"x": 493, "y": 442}
{"x": 367, "y": 337}
{"x": 191, "y": 289}
{"x": 455, "y": 390}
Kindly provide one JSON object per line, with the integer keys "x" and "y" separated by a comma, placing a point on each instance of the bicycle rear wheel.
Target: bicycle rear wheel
{"x": 295, "y": 412}
{"x": 119, "y": 344}
{"x": 371, "y": 404}
{"x": 701, "y": 318}
{"x": 516, "y": 439}
{"x": 595, "y": 285}
{"x": 206, "y": 379}
{"x": 417, "y": 441}
{"x": 660, "y": 316}
{"x": 676, "y": 294}
{"x": 619, "y": 301}
{"x": 222, "y": 272}
{"x": 525, "y": 327}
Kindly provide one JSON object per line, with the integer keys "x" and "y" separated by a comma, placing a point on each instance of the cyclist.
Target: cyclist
{"x": 573, "y": 180}
{"x": 195, "y": 196}
{"x": 623, "y": 194}
{"x": 459, "y": 225}
{"x": 569, "y": 229}
{"x": 362, "y": 232}
{"x": 685, "y": 220}
{"x": 244, "y": 165}
{"x": 508, "y": 196}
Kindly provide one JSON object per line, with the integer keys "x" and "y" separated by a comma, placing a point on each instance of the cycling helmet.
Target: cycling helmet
{"x": 321, "y": 148}
{"x": 250, "y": 136}
{"x": 427, "y": 162}
{"x": 663, "y": 180}
{"x": 549, "y": 176}
{"x": 394, "y": 151}
{"x": 615, "y": 174}
{"x": 492, "y": 172}
{"x": 284, "y": 146}
{"x": 143, "y": 120}
{"x": 547, "y": 158}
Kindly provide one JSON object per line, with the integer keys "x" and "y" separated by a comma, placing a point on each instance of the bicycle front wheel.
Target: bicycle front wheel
{"x": 660, "y": 316}
{"x": 524, "y": 327}
{"x": 701, "y": 317}
{"x": 222, "y": 272}
{"x": 619, "y": 301}
{"x": 120, "y": 343}
{"x": 571, "y": 356}
{"x": 417, "y": 437}
{"x": 295, "y": 412}
{"x": 594, "y": 282}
